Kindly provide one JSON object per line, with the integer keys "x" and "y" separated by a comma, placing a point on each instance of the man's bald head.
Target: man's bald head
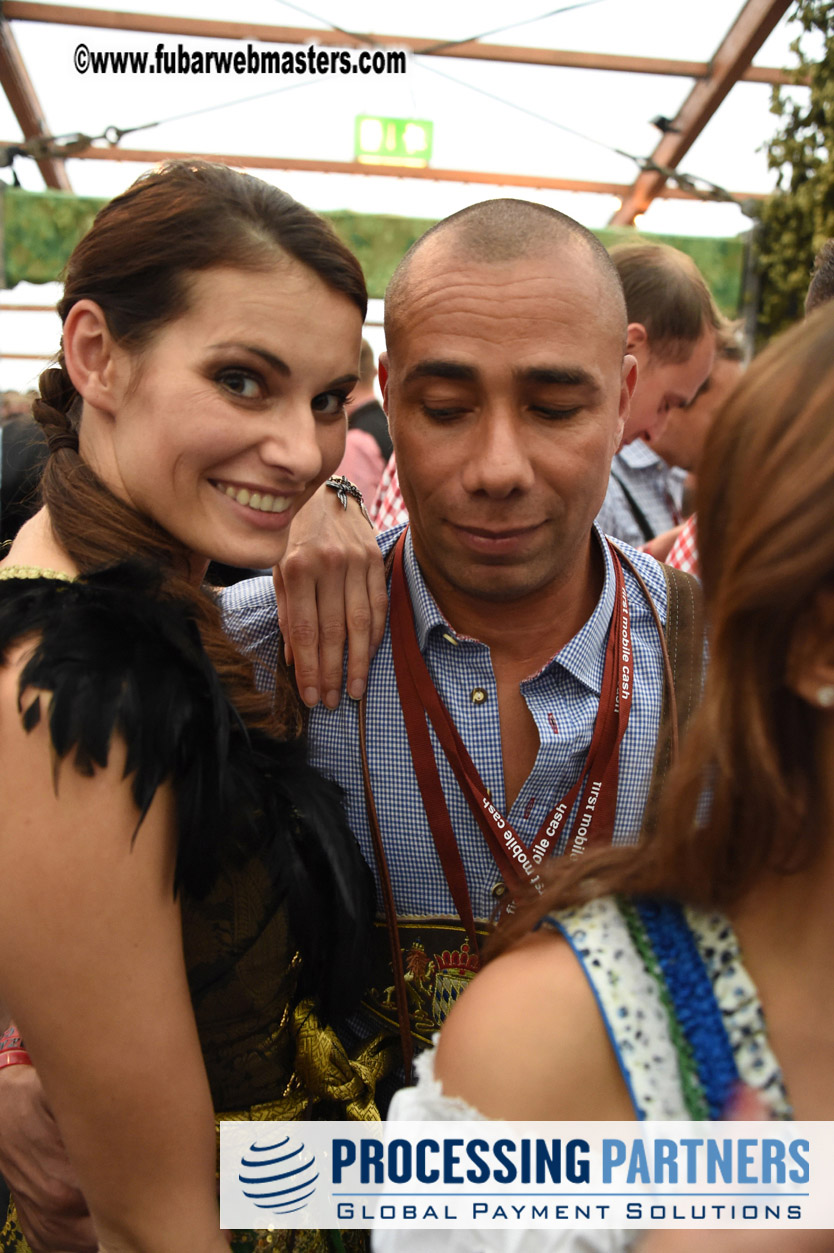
{"x": 499, "y": 232}
{"x": 507, "y": 386}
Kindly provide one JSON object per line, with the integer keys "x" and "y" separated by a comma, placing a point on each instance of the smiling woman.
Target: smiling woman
{"x": 167, "y": 852}
{"x": 233, "y": 415}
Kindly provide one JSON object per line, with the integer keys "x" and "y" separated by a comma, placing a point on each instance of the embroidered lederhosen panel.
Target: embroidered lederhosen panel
{"x": 437, "y": 963}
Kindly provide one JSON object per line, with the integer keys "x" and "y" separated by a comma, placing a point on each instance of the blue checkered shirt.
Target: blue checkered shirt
{"x": 563, "y": 699}
{"x": 653, "y": 486}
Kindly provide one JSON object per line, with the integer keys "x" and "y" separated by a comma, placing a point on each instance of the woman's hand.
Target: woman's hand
{"x": 662, "y": 544}
{"x": 330, "y": 587}
{"x": 50, "y": 1208}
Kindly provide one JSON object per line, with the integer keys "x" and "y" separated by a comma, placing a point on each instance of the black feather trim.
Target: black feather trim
{"x": 118, "y": 660}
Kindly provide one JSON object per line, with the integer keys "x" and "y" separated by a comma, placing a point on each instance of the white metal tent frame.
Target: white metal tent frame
{"x": 657, "y": 174}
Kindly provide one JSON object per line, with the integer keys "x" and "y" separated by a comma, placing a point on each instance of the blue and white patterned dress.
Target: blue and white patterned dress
{"x": 682, "y": 1013}
{"x": 684, "y": 1020}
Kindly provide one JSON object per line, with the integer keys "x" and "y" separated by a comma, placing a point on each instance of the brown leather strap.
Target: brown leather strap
{"x": 387, "y": 900}
{"x": 387, "y": 890}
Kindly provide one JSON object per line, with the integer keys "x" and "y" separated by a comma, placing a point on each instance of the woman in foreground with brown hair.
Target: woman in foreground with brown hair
{"x": 661, "y": 978}
{"x": 179, "y": 889}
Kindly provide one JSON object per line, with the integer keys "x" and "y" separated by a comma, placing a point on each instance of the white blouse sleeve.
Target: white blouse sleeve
{"x": 426, "y": 1102}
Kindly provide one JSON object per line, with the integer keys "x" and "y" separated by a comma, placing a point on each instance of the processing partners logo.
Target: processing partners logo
{"x": 537, "y": 1176}
{"x": 278, "y": 1174}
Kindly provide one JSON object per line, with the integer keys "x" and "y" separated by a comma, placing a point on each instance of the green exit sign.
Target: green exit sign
{"x": 393, "y": 140}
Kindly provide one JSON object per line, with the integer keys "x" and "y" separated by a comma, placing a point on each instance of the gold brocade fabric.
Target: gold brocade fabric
{"x": 339, "y": 1086}
{"x": 11, "y": 1237}
{"x": 12, "y": 1240}
{"x": 330, "y": 1085}
{"x": 303, "y": 1242}
{"x": 326, "y": 1083}
{"x": 262, "y": 1050}
{"x": 34, "y": 572}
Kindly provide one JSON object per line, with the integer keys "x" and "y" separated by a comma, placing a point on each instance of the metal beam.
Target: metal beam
{"x": 25, "y": 105}
{"x": 152, "y": 156}
{"x": 733, "y": 55}
{"x": 59, "y": 14}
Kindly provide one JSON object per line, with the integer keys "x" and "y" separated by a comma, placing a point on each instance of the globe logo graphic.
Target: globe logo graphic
{"x": 277, "y": 1175}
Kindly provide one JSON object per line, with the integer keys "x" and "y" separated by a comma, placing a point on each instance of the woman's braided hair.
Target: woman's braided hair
{"x": 135, "y": 263}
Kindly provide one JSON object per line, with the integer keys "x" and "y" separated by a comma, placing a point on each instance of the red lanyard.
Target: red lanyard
{"x": 597, "y": 783}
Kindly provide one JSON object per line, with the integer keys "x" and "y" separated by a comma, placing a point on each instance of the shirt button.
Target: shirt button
{"x": 499, "y": 890}
{"x": 477, "y": 696}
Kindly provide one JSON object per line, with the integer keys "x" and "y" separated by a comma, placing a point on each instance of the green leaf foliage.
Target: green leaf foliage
{"x": 797, "y": 220}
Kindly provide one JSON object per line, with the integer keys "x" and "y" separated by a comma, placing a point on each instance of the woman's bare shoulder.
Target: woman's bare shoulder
{"x": 527, "y": 1040}
{"x": 47, "y": 802}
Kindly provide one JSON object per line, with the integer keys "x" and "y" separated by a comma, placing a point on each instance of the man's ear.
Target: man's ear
{"x": 636, "y": 337}
{"x": 810, "y": 667}
{"x": 382, "y": 371}
{"x": 628, "y": 382}
{"x": 99, "y": 369}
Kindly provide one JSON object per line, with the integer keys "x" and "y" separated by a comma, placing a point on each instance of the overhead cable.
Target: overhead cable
{"x": 500, "y": 30}
{"x": 60, "y": 147}
{"x": 351, "y": 34}
{"x": 688, "y": 182}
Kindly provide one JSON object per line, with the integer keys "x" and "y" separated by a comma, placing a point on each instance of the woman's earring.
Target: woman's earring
{"x": 825, "y": 695}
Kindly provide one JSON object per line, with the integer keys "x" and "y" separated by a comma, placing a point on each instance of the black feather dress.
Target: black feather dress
{"x": 266, "y": 866}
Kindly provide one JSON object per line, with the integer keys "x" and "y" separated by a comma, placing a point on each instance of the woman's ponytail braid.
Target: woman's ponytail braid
{"x": 53, "y": 409}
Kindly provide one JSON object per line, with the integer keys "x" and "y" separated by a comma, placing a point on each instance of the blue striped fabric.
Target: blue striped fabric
{"x": 563, "y": 699}
{"x": 693, "y": 999}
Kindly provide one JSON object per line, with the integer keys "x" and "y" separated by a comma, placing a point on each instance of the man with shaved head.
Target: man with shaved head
{"x": 513, "y": 709}
{"x": 506, "y": 386}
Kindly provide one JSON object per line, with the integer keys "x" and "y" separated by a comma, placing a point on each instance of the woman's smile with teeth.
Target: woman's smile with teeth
{"x": 263, "y": 502}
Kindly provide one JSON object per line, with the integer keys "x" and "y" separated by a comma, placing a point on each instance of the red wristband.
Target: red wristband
{"x": 15, "y": 1057}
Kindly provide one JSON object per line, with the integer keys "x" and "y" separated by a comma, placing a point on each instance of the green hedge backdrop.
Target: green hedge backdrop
{"x": 39, "y": 230}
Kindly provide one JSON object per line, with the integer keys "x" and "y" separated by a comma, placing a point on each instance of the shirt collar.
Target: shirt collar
{"x": 638, "y": 456}
{"x": 427, "y": 615}
{"x": 583, "y": 657}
